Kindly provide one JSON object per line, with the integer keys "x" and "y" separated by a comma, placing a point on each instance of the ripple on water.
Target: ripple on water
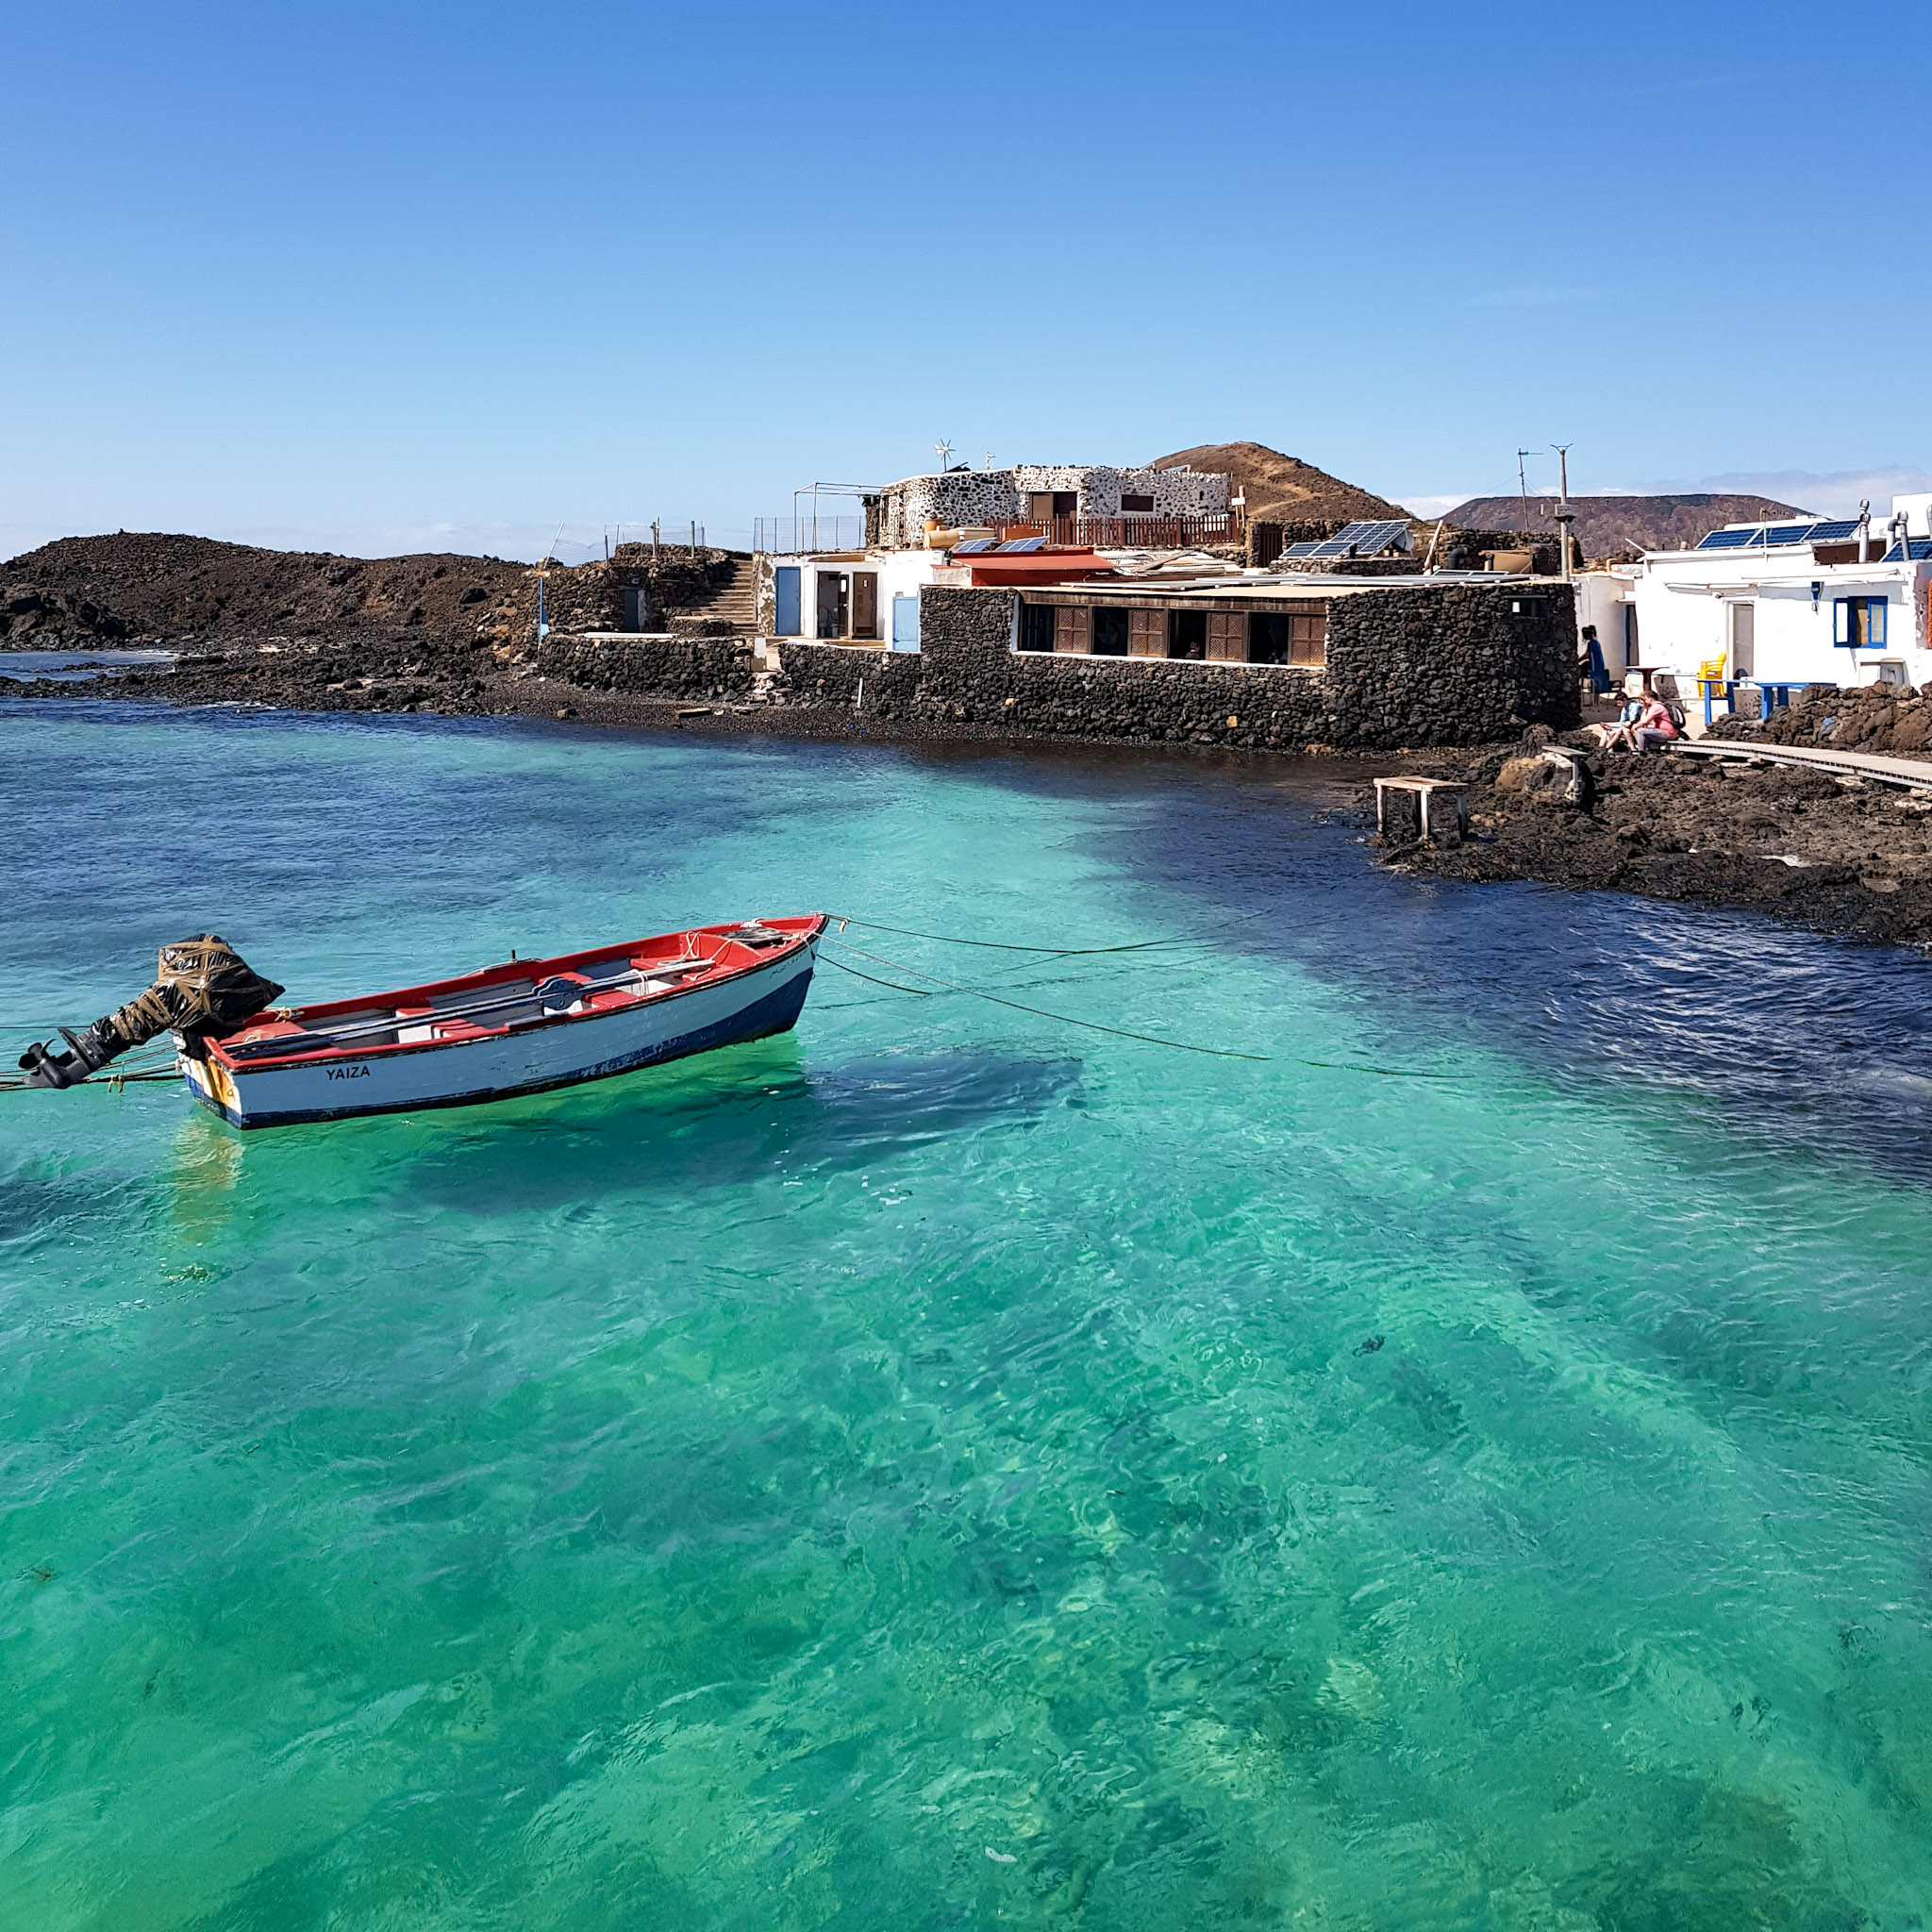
{"x": 942, "y": 1466}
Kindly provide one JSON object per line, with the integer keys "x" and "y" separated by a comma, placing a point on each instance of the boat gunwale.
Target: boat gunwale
{"x": 810, "y": 926}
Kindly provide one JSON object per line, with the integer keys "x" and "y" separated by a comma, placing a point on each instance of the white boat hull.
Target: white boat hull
{"x": 526, "y": 1059}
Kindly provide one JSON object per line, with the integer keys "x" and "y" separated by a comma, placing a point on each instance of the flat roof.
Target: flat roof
{"x": 1307, "y": 583}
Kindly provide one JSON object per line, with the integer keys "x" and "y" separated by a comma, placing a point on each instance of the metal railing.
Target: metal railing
{"x": 801, "y": 535}
{"x": 658, "y": 534}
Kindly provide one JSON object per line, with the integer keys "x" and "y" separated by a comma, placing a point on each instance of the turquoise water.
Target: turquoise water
{"x": 944, "y": 1468}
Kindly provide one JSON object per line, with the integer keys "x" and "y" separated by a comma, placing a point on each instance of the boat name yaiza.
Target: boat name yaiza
{"x": 519, "y": 1027}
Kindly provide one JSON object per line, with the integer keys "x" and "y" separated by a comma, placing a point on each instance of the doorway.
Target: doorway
{"x": 865, "y": 603}
{"x": 835, "y": 603}
{"x": 787, "y": 576}
{"x": 1744, "y": 640}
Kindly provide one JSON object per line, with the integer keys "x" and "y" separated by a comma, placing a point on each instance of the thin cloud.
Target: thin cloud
{"x": 1430, "y": 507}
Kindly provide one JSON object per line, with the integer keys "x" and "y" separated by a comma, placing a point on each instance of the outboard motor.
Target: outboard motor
{"x": 202, "y": 985}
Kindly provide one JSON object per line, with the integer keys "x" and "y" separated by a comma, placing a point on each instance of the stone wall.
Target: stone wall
{"x": 590, "y": 596}
{"x": 895, "y": 518}
{"x": 1407, "y": 667}
{"x": 1464, "y": 549}
{"x": 1460, "y": 664}
{"x": 650, "y": 666}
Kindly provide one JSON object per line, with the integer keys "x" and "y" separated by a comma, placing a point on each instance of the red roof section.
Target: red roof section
{"x": 993, "y": 567}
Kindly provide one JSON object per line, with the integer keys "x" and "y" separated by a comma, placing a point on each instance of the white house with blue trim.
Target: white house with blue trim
{"x": 1813, "y": 601}
{"x": 862, "y": 597}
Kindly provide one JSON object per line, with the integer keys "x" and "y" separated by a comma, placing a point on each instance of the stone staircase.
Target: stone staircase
{"x": 731, "y": 600}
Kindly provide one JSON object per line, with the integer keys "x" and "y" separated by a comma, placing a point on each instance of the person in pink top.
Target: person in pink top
{"x": 1655, "y": 727}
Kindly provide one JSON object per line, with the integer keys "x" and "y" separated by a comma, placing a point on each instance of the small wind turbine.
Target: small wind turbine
{"x": 942, "y": 450}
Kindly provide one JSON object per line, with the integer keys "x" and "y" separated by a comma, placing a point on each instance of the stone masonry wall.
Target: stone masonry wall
{"x": 895, "y": 518}
{"x": 650, "y": 666}
{"x": 1405, "y": 668}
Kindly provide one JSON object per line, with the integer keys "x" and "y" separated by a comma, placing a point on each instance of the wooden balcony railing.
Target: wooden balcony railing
{"x": 1136, "y": 532}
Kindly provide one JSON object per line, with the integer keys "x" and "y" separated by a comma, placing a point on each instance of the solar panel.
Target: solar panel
{"x": 1361, "y": 539}
{"x": 971, "y": 545}
{"x": 1780, "y": 536}
{"x": 1299, "y": 549}
{"x": 1020, "y": 545}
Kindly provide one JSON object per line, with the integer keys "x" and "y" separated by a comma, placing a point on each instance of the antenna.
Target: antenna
{"x": 1521, "y": 484}
{"x": 942, "y": 450}
{"x": 1565, "y": 515}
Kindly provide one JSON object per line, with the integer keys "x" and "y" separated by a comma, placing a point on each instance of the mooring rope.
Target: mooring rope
{"x": 1093, "y": 1026}
{"x": 1223, "y": 1052}
{"x": 846, "y": 919}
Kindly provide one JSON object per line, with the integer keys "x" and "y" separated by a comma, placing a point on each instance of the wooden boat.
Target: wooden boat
{"x": 516, "y": 1028}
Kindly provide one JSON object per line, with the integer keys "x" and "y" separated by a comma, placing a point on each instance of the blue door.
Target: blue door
{"x": 789, "y": 625}
{"x": 905, "y": 624}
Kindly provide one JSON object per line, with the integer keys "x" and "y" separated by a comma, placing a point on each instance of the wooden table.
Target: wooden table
{"x": 1425, "y": 789}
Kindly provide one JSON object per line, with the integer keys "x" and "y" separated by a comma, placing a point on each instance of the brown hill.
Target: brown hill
{"x": 1279, "y": 489}
{"x": 1607, "y": 525}
{"x": 96, "y": 588}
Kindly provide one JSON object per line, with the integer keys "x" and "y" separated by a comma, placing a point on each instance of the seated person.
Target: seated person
{"x": 1655, "y": 728}
{"x": 1609, "y": 736}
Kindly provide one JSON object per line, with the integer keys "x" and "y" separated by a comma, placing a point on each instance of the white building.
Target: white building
{"x": 1804, "y": 602}
{"x": 850, "y": 597}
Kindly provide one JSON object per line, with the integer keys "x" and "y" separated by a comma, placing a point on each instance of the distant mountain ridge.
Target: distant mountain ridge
{"x": 1282, "y": 489}
{"x": 1606, "y": 524}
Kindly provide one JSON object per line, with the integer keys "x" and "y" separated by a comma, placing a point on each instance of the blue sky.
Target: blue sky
{"x": 379, "y": 278}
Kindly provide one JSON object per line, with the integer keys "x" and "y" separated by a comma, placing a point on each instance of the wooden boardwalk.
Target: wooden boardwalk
{"x": 1916, "y": 773}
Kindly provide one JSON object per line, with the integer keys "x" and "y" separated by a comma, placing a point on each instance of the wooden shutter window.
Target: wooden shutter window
{"x": 1308, "y": 640}
{"x": 1146, "y": 633}
{"x": 1072, "y": 631}
{"x": 1226, "y": 644}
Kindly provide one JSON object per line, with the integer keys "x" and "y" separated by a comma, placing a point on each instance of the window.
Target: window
{"x": 1135, "y": 505}
{"x": 1109, "y": 632}
{"x": 1282, "y": 637}
{"x": 1859, "y": 623}
{"x": 1036, "y": 626}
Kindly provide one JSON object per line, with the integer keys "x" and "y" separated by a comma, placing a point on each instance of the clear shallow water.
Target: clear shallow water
{"x": 937, "y": 1469}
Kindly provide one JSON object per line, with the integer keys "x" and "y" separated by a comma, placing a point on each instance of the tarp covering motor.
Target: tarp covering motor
{"x": 202, "y": 985}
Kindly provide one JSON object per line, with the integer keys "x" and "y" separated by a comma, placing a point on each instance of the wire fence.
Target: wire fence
{"x": 791, "y": 535}
{"x": 657, "y": 533}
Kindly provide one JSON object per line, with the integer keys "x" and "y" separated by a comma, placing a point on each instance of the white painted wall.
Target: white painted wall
{"x": 899, "y": 572}
{"x": 1683, "y": 600}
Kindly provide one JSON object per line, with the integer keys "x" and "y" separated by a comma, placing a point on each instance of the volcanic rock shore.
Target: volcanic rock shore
{"x": 1838, "y": 854}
